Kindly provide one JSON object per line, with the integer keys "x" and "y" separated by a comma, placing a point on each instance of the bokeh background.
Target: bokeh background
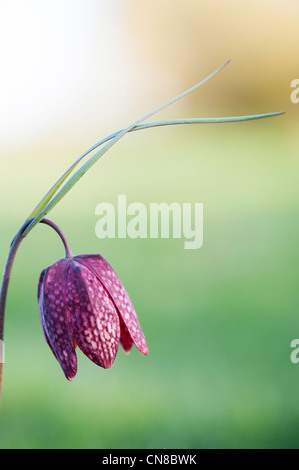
{"x": 219, "y": 320}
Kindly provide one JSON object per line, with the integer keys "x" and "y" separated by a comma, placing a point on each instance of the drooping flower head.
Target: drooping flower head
{"x": 82, "y": 302}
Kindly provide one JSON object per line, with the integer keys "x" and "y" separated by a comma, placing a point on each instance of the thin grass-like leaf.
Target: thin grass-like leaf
{"x": 48, "y": 202}
{"x": 170, "y": 122}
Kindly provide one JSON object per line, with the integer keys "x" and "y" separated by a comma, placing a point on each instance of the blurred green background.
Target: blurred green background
{"x": 219, "y": 320}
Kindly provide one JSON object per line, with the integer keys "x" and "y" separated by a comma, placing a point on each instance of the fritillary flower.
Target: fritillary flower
{"x": 82, "y": 302}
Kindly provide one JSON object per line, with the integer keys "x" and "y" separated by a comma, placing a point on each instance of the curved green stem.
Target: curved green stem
{"x": 7, "y": 273}
{"x": 5, "y": 282}
{"x": 68, "y": 251}
{"x": 8, "y": 268}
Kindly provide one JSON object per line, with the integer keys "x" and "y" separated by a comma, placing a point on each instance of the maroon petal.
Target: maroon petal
{"x": 54, "y": 315}
{"x": 40, "y": 296}
{"x": 95, "y": 322}
{"x": 106, "y": 275}
{"x": 40, "y": 283}
{"x": 125, "y": 337}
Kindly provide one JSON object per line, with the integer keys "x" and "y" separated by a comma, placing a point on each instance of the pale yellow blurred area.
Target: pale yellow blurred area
{"x": 186, "y": 39}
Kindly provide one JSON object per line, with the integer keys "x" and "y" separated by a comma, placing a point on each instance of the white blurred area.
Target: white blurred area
{"x": 66, "y": 70}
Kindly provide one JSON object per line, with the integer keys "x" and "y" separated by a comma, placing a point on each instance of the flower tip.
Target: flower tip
{"x": 143, "y": 348}
{"x": 69, "y": 374}
{"x": 70, "y": 378}
{"x": 107, "y": 366}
